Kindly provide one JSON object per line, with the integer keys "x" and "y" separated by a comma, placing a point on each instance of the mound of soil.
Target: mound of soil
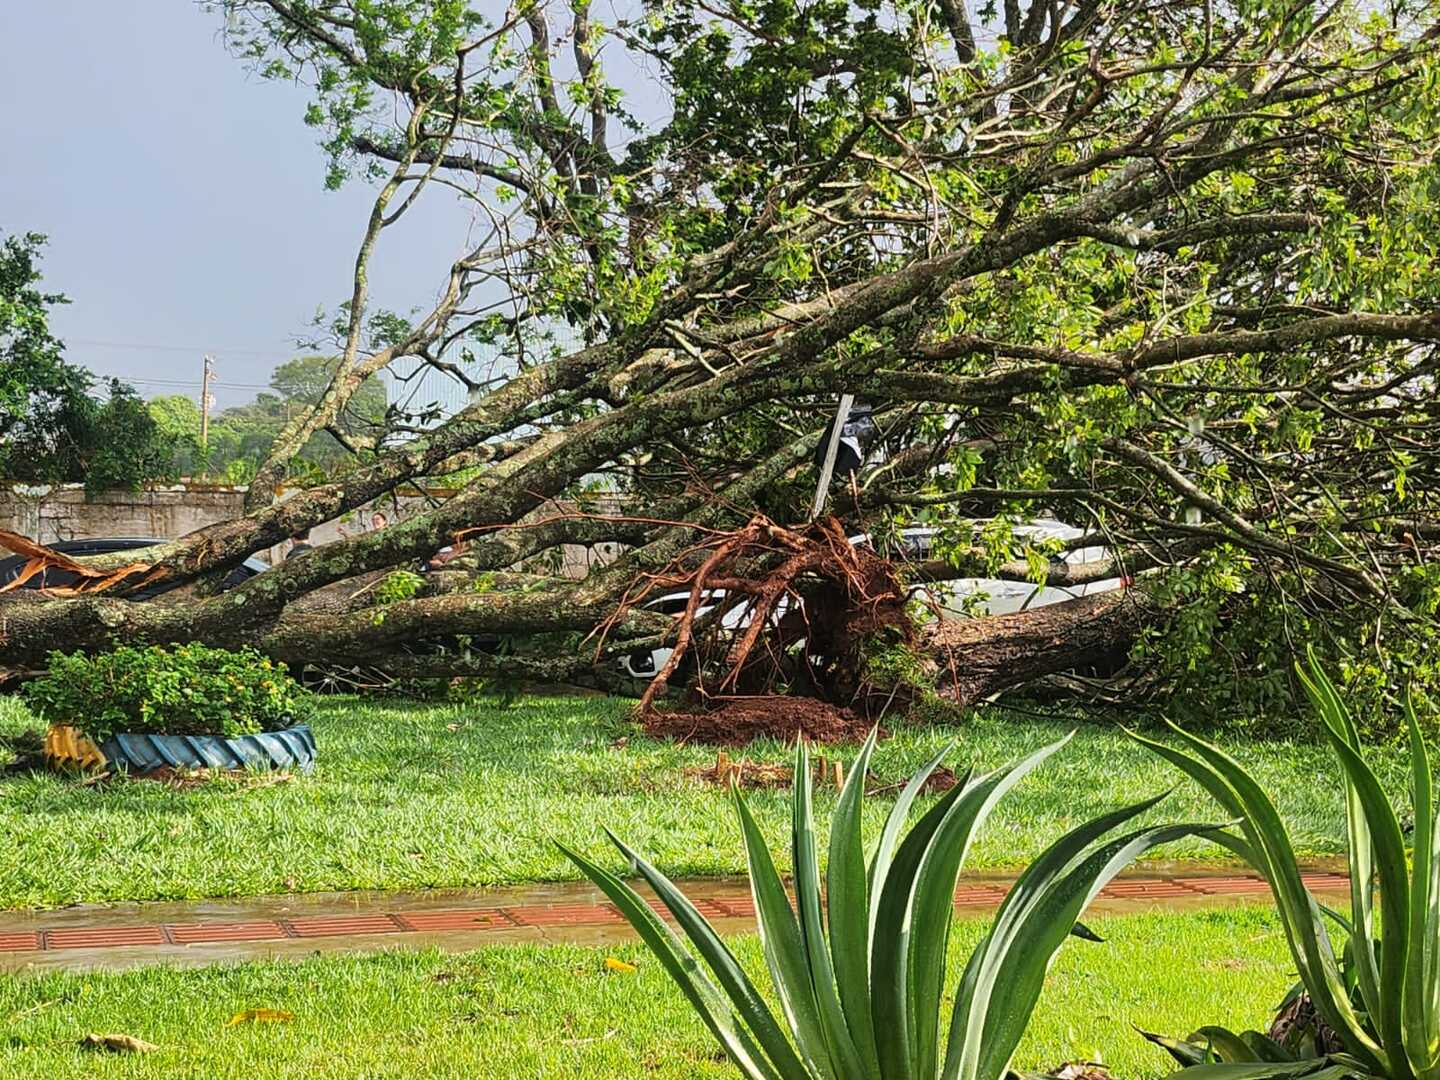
{"x": 742, "y": 720}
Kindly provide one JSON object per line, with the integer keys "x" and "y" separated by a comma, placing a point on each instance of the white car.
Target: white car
{"x": 958, "y": 598}
{"x": 644, "y": 663}
{"x": 967, "y": 597}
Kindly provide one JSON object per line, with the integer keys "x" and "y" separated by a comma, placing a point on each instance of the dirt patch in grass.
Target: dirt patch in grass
{"x": 178, "y": 779}
{"x": 749, "y": 775}
{"x": 752, "y": 775}
{"x": 189, "y": 779}
{"x": 740, "y": 721}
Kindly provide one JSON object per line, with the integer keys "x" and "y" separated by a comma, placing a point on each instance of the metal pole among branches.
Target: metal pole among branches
{"x": 831, "y": 449}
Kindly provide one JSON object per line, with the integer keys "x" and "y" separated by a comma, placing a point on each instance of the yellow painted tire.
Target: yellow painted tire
{"x": 68, "y": 747}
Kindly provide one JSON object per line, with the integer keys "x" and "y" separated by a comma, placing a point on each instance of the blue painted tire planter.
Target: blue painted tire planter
{"x": 292, "y": 748}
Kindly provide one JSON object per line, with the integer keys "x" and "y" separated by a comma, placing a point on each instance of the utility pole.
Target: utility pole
{"x": 205, "y": 401}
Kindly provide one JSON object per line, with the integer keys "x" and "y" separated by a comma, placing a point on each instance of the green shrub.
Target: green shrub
{"x": 1225, "y": 627}
{"x": 859, "y": 967}
{"x": 183, "y": 690}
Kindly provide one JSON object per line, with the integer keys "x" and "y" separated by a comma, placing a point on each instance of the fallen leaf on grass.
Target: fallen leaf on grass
{"x": 117, "y": 1044}
{"x": 260, "y": 1016}
{"x": 620, "y": 966}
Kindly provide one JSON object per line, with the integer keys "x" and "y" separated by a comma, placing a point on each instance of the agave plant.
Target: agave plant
{"x": 859, "y": 970}
{"x": 1380, "y": 995}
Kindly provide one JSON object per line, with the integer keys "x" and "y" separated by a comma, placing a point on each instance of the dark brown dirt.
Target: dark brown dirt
{"x": 742, "y": 720}
{"x": 752, "y": 775}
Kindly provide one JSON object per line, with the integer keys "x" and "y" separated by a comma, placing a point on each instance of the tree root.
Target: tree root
{"x": 805, "y": 602}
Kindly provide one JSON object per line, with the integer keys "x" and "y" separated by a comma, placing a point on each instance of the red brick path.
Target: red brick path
{"x": 970, "y": 895}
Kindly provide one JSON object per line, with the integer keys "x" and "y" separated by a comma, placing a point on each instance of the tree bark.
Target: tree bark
{"x": 982, "y": 657}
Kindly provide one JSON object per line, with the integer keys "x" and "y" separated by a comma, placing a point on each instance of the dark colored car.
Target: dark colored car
{"x": 54, "y": 578}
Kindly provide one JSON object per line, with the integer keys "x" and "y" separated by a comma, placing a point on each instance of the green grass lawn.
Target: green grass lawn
{"x": 525, "y": 1012}
{"x": 412, "y": 795}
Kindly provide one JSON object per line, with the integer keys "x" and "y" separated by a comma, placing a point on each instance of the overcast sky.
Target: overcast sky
{"x": 183, "y": 197}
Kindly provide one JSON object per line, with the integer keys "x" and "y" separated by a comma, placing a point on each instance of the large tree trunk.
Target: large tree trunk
{"x": 986, "y": 656}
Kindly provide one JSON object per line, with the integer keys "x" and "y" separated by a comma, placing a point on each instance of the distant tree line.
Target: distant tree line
{"x": 240, "y": 437}
{"x": 60, "y": 423}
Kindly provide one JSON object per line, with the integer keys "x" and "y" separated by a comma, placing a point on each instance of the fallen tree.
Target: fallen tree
{"x": 1162, "y": 271}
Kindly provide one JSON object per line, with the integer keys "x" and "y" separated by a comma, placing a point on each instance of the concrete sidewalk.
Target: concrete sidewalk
{"x": 214, "y": 931}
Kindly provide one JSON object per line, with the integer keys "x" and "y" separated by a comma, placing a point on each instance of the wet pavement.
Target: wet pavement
{"x": 219, "y": 931}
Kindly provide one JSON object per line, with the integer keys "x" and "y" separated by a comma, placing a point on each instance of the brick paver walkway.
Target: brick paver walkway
{"x": 203, "y": 933}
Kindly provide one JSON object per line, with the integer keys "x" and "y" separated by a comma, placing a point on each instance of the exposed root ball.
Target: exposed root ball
{"x": 833, "y": 596}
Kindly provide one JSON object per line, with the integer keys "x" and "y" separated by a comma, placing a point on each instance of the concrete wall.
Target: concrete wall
{"x": 48, "y": 514}
{"x": 62, "y": 512}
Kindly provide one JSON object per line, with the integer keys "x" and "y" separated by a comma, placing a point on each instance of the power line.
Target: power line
{"x": 186, "y": 382}
{"x": 180, "y": 348}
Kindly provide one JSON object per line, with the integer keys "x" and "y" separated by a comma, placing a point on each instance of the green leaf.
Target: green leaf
{"x": 895, "y": 823}
{"x": 848, "y": 908}
{"x": 1003, "y": 979}
{"x": 1338, "y": 721}
{"x": 784, "y": 947}
{"x": 1272, "y": 854}
{"x": 1265, "y": 1048}
{"x": 743, "y": 995}
{"x": 1186, "y": 1053}
{"x": 806, "y": 865}
{"x": 1226, "y": 1045}
{"x": 889, "y": 916}
{"x": 1311, "y": 1069}
{"x": 933, "y": 897}
{"x": 1375, "y": 839}
{"x": 1422, "y": 987}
